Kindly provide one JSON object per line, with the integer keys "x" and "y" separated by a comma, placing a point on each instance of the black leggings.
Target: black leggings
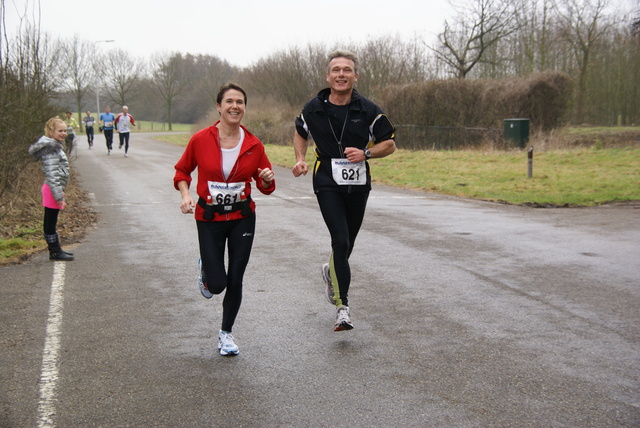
{"x": 89, "y": 130}
{"x": 124, "y": 140}
{"x": 50, "y": 220}
{"x": 108, "y": 135}
{"x": 214, "y": 236}
{"x": 343, "y": 214}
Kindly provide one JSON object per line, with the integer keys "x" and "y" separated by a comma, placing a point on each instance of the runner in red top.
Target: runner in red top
{"x": 228, "y": 158}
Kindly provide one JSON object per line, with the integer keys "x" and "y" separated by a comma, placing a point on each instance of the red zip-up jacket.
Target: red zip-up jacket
{"x": 204, "y": 152}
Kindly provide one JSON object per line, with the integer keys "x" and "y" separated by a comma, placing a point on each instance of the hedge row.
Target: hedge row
{"x": 543, "y": 98}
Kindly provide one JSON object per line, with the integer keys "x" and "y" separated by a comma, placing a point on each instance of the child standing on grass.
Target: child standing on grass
{"x": 49, "y": 150}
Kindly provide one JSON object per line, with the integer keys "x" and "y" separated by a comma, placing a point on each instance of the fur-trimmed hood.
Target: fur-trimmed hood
{"x": 44, "y": 146}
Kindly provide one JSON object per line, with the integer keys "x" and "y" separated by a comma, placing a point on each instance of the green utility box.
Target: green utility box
{"x": 516, "y": 131}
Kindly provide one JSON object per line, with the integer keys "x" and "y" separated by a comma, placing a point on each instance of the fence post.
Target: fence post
{"x": 530, "y": 162}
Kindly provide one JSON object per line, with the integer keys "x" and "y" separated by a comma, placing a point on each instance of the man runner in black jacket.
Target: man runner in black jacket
{"x": 348, "y": 129}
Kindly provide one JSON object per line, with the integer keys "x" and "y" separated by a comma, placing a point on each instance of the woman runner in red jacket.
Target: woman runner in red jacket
{"x": 228, "y": 158}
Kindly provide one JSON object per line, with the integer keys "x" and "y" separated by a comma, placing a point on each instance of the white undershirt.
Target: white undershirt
{"x": 230, "y": 156}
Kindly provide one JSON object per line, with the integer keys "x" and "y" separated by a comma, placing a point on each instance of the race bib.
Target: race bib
{"x": 108, "y": 124}
{"x": 225, "y": 193}
{"x": 347, "y": 173}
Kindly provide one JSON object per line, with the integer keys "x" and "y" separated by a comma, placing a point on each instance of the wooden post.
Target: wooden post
{"x": 530, "y": 162}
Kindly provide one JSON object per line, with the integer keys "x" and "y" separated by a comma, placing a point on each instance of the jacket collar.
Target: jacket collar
{"x": 250, "y": 140}
{"x": 323, "y": 96}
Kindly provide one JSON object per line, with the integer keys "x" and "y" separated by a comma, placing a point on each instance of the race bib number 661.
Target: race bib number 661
{"x": 347, "y": 173}
{"x": 225, "y": 193}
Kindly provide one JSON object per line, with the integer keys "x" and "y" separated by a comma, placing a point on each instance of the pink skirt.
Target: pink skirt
{"x": 47, "y": 198}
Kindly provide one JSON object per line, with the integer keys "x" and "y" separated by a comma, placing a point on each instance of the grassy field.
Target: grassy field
{"x": 600, "y": 130}
{"x": 572, "y": 177}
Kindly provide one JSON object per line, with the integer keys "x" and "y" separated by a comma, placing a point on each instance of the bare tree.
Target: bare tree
{"x": 121, "y": 74}
{"x": 584, "y": 24}
{"x": 612, "y": 85}
{"x": 210, "y": 74}
{"x": 389, "y": 60}
{"x": 26, "y": 88}
{"x": 477, "y": 28}
{"x": 284, "y": 76}
{"x": 169, "y": 78}
{"x": 77, "y": 71}
{"x": 531, "y": 43}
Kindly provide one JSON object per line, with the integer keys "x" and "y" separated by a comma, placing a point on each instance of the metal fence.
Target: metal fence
{"x": 417, "y": 137}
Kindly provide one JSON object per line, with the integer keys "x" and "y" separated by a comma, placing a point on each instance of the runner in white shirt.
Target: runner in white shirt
{"x": 123, "y": 121}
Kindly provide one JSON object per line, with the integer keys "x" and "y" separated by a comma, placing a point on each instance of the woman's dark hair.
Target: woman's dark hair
{"x": 227, "y": 87}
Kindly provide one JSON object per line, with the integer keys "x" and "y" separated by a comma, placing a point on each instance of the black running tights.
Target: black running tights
{"x": 124, "y": 141}
{"x": 343, "y": 214}
{"x": 214, "y": 237}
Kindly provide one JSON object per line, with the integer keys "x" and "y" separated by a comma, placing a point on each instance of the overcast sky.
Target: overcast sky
{"x": 240, "y": 31}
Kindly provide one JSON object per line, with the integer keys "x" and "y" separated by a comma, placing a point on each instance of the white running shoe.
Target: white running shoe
{"x": 343, "y": 322}
{"x": 226, "y": 345}
{"x": 202, "y": 282}
{"x": 328, "y": 290}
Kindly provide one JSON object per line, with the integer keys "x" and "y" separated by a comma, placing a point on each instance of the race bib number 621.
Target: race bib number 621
{"x": 347, "y": 173}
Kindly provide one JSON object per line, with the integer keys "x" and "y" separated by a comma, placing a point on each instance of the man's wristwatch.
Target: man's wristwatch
{"x": 367, "y": 154}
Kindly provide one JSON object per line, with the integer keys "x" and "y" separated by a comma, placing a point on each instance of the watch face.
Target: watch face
{"x": 367, "y": 153}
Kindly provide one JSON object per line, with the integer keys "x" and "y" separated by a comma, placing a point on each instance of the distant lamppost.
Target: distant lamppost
{"x": 97, "y": 83}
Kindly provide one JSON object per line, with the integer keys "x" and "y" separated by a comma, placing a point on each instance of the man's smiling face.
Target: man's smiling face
{"x": 341, "y": 75}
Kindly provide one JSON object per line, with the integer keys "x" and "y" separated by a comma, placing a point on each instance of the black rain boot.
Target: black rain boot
{"x": 55, "y": 252}
{"x": 66, "y": 252}
{"x": 54, "y": 240}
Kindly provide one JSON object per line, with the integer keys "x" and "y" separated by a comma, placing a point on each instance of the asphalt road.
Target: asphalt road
{"x": 466, "y": 314}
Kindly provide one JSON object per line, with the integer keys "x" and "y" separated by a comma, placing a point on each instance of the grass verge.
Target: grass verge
{"x": 21, "y": 218}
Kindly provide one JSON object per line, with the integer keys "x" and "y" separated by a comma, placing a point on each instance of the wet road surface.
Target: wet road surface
{"x": 466, "y": 314}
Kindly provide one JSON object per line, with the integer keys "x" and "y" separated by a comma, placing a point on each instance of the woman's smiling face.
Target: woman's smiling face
{"x": 232, "y": 107}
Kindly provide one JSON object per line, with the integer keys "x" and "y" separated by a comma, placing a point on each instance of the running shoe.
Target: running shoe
{"x": 226, "y": 345}
{"x": 202, "y": 282}
{"x": 343, "y": 322}
{"x": 328, "y": 290}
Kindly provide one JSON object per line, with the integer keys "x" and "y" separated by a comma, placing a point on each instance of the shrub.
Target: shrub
{"x": 543, "y": 98}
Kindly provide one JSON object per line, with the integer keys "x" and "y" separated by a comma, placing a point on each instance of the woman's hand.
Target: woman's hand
{"x": 187, "y": 205}
{"x": 266, "y": 175}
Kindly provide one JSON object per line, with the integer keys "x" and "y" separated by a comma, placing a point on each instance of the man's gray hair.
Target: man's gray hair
{"x": 344, "y": 54}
